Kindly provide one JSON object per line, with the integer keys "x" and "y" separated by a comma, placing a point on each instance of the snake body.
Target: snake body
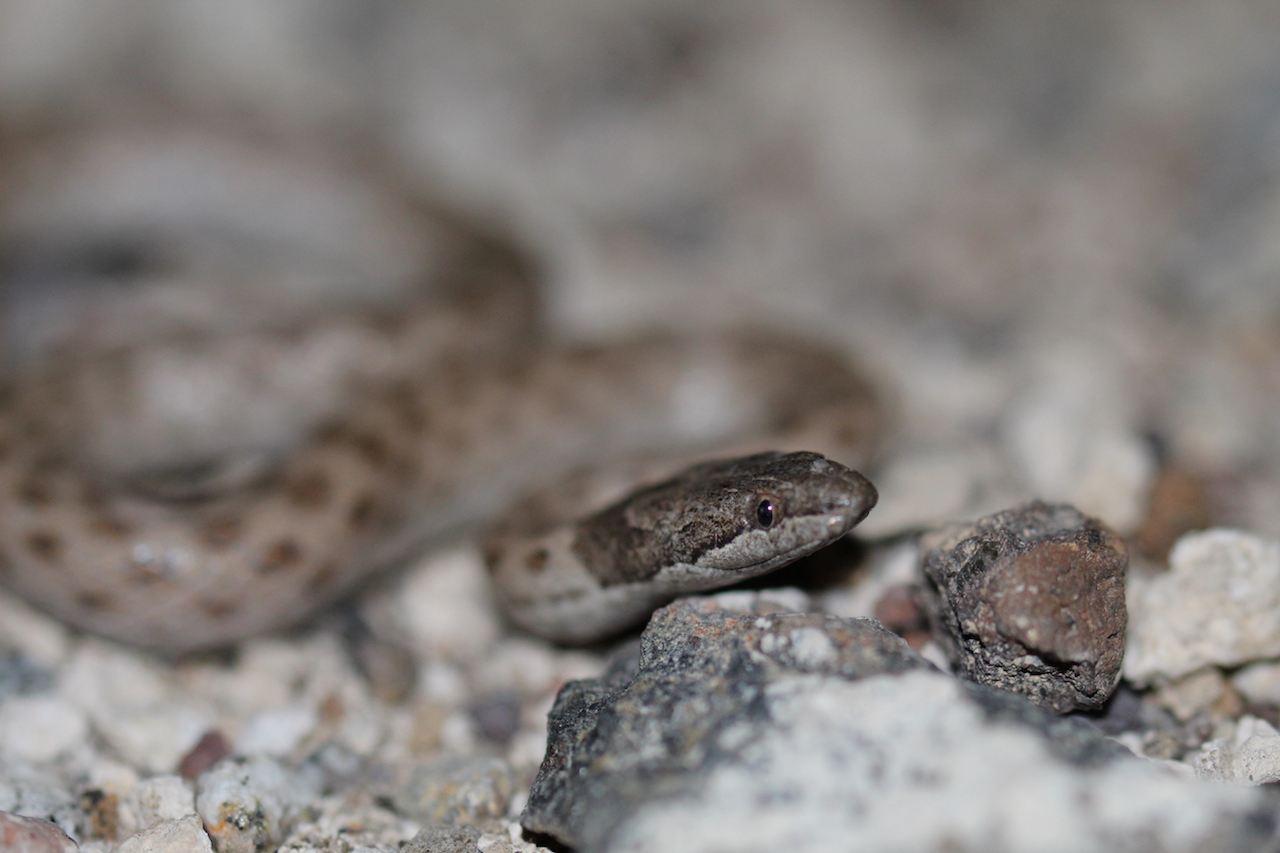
{"x": 189, "y": 488}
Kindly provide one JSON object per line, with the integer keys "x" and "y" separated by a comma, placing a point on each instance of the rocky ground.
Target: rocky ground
{"x": 1046, "y": 230}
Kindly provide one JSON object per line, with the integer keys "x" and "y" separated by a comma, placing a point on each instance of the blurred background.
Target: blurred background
{"x": 1051, "y": 229}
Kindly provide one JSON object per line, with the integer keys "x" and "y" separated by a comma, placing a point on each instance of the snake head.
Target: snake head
{"x": 718, "y": 522}
{"x": 754, "y": 514}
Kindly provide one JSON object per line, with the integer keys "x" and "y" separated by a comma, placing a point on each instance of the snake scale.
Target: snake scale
{"x": 182, "y": 471}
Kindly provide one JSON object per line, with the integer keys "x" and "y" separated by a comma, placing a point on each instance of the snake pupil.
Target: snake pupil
{"x": 764, "y": 513}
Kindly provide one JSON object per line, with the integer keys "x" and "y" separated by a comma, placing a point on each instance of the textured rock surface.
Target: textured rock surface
{"x": 1217, "y": 604}
{"x": 456, "y": 789}
{"x": 440, "y": 838}
{"x": 733, "y": 730}
{"x": 1251, "y": 754}
{"x": 248, "y": 804}
{"x": 683, "y": 702}
{"x": 1031, "y": 600}
{"x": 183, "y": 835}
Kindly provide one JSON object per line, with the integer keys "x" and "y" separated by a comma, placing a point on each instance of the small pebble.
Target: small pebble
{"x": 899, "y": 610}
{"x": 20, "y": 834}
{"x": 1179, "y": 503}
{"x": 1031, "y": 600}
{"x": 161, "y": 798}
{"x": 208, "y": 751}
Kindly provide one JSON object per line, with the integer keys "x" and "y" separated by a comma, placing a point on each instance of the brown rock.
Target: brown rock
{"x": 1031, "y": 600}
{"x": 20, "y": 834}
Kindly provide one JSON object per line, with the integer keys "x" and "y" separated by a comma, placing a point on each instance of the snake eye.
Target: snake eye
{"x": 765, "y": 513}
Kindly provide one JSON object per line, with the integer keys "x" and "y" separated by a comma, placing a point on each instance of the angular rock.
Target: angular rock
{"x": 20, "y": 834}
{"x": 1217, "y": 605}
{"x": 686, "y": 699}
{"x": 741, "y": 730}
{"x": 1251, "y": 755}
{"x": 1031, "y": 600}
{"x": 184, "y": 835}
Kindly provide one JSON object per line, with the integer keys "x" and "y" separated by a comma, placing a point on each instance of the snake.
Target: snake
{"x": 242, "y": 378}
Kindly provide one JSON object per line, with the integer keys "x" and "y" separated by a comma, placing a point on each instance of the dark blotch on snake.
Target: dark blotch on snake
{"x": 537, "y": 559}
{"x": 284, "y": 553}
{"x": 94, "y": 600}
{"x": 33, "y": 491}
{"x": 362, "y": 511}
{"x": 44, "y": 545}
{"x": 219, "y": 609}
{"x": 221, "y": 532}
{"x": 309, "y": 491}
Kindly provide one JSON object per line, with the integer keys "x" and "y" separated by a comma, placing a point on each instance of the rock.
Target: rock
{"x": 1031, "y": 600}
{"x": 1179, "y": 503}
{"x": 801, "y": 732}
{"x": 20, "y": 834}
{"x": 184, "y": 835}
{"x": 1251, "y": 755}
{"x": 161, "y": 798}
{"x": 247, "y": 804}
{"x": 277, "y": 731}
{"x": 39, "y": 728}
{"x": 439, "y": 838}
{"x": 456, "y": 789}
{"x": 687, "y": 697}
{"x": 1192, "y": 694}
{"x": 1259, "y": 683}
{"x": 1217, "y": 604}
{"x": 208, "y": 751}
{"x": 133, "y": 706}
{"x": 347, "y": 823}
{"x": 1075, "y": 438}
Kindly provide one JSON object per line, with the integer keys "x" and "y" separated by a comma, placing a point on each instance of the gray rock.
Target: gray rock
{"x": 456, "y": 789}
{"x": 762, "y": 732}
{"x": 1031, "y": 600}
{"x": 440, "y": 838}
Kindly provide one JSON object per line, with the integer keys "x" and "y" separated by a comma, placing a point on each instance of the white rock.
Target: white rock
{"x": 39, "y": 728}
{"x": 1074, "y": 438}
{"x": 445, "y": 607}
{"x": 134, "y": 705}
{"x": 161, "y": 798}
{"x": 249, "y": 803}
{"x": 1217, "y": 604}
{"x": 1259, "y": 683}
{"x": 902, "y": 763}
{"x": 277, "y": 731}
{"x": 183, "y": 835}
{"x": 1191, "y": 694}
{"x": 1251, "y": 755}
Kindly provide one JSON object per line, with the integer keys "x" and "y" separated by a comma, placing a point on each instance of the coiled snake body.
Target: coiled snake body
{"x": 186, "y": 489}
